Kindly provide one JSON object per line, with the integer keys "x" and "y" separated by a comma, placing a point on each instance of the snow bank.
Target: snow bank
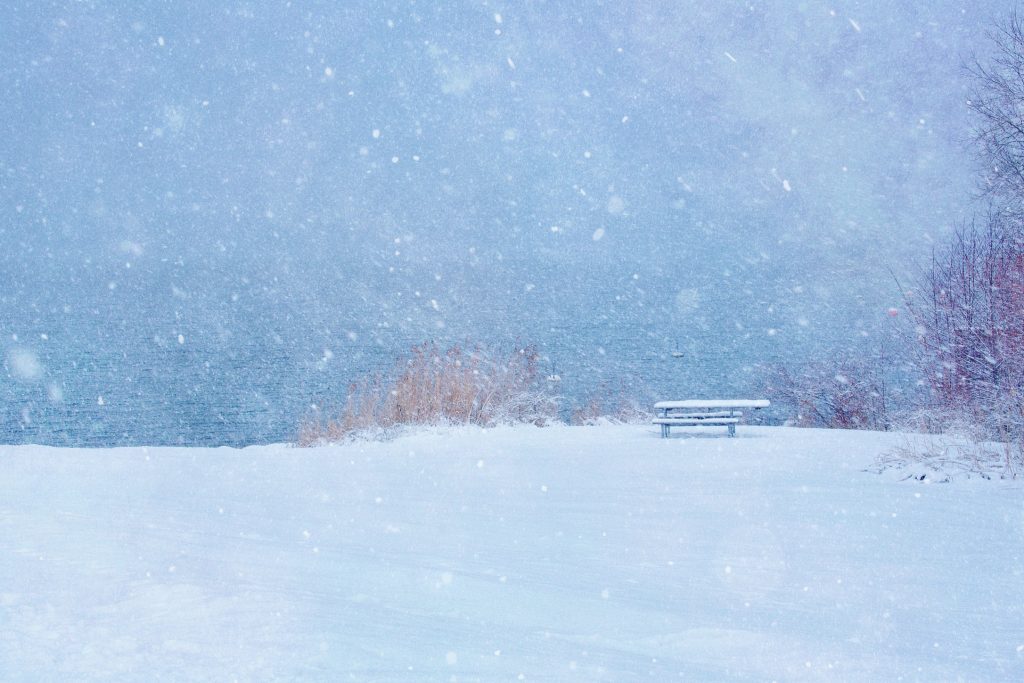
{"x": 559, "y": 554}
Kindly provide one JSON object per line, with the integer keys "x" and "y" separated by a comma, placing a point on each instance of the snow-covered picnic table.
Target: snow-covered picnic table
{"x": 701, "y": 412}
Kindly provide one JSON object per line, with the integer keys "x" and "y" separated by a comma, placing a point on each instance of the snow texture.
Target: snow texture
{"x": 726, "y": 403}
{"x": 556, "y": 554}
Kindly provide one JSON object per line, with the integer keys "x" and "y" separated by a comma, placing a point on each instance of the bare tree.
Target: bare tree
{"x": 997, "y": 100}
{"x": 848, "y": 392}
{"x": 967, "y": 306}
{"x": 968, "y": 316}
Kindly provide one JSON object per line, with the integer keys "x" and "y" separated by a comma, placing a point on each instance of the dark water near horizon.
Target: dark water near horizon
{"x": 124, "y": 387}
{"x": 135, "y": 370}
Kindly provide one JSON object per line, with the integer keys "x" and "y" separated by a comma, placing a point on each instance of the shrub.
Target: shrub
{"x": 941, "y": 458}
{"x": 441, "y": 386}
{"x": 843, "y": 394}
{"x": 968, "y": 314}
{"x": 967, "y": 304}
{"x": 619, "y": 406}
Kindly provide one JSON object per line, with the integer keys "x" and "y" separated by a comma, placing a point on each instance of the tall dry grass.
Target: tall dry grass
{"x": 441, "y": 386}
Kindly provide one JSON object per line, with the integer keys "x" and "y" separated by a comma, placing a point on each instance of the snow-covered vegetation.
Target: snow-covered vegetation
{"x": 967, "y": 304}
{"x": 954, "y": 362}
{"x": 435, "y": 386}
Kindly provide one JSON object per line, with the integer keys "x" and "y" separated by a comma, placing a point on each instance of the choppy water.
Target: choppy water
{"x": 73, "y": 387}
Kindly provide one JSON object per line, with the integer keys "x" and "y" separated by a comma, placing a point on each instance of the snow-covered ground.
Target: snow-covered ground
{"x": 556, "y": 554}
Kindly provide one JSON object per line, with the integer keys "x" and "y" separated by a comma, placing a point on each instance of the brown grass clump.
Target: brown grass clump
{"x": 441, "y": 386}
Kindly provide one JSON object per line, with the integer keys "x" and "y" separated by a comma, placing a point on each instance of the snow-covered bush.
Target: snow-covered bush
{"x": 967, "y": 304}
{"x": 954, "y": 454}
{"x": 967, "y": 312}
{"x": 442, "y": 386}
{"x": 618, "y": 406}
{"x": 845, "y": 393}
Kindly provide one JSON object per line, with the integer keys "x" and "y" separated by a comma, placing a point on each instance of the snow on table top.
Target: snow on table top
{"x": 726, "y": 403}
{"x": 555, "y": 554}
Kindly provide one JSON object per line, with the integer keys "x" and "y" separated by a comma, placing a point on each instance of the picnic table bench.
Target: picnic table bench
{"x": 695, "y": 413}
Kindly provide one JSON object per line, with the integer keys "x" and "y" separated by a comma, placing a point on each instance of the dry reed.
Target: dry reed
{"x": 441, "y": 386}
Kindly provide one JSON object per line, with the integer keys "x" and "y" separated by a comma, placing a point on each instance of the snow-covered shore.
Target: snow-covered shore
{"x": 557, "y": 554}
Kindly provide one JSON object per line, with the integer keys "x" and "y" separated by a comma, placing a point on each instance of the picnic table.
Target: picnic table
{"x": 701, "y": 412}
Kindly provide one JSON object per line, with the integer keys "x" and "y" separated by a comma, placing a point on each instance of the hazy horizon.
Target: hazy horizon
{"x": 198, "y": 196}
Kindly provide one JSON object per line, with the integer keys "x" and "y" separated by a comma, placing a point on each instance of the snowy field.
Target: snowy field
{"x": 558, "y": 554}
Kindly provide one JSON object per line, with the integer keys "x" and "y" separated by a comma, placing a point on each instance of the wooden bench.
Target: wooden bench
{"x": 698, "y": 413}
